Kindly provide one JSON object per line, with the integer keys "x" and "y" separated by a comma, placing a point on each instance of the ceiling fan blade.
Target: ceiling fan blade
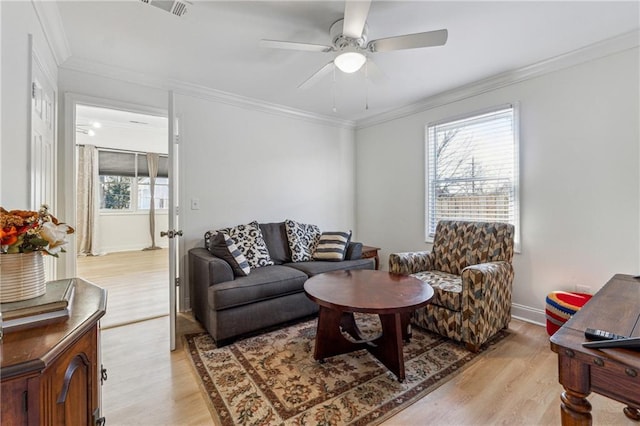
{"x": 293, "y": 45}
{"x": 410, "y": 41}
{"x": 317, "y": 76}
{"x": 355, "y": 16}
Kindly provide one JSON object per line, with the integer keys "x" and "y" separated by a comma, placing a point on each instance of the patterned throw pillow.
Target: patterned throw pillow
{"x": 303, "y": 240}
{"x": 332, "y": 246}
{"x": 222, "y": 246}
{"x": 249, "y": 240}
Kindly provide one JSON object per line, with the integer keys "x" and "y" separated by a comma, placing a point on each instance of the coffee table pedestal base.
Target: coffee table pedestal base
{"x": 387, "y": 347}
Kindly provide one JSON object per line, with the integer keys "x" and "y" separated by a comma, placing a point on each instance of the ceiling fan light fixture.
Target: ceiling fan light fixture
{"x": 350, "y": 61}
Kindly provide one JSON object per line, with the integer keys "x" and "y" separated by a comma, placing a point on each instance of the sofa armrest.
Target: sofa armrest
{"x": 486, "y": 300}
{"x": 410, "y": 262}
{"x": 354, "y": 251}
{"x": 205, "y": 270}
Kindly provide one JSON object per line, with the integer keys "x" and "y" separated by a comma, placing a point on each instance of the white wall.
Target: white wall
{"x": 246, "y": 165}
{"x": 18, "y": 20}
{"x": 135, "y": 226}
{"x": 243, "y": 164}
{"x": 580, "y": 181}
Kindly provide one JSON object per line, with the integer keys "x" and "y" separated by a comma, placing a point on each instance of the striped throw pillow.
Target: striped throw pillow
{"x": 332, "y": 246}
{"x": 222, "y": 246}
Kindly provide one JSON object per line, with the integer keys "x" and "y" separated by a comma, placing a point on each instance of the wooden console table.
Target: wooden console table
{"x": 51, "y": 374}
{"x": 614, "y": 373}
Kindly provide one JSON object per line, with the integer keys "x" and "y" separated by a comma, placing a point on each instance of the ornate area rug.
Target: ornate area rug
{"x": 273, "y": 378}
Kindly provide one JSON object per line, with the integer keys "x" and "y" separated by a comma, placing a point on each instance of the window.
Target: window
{"x": 115, "y": 192}
{"x": 161, "y": 193}
{"x": 472, "y": 169}
{"x": 125, "y": 181}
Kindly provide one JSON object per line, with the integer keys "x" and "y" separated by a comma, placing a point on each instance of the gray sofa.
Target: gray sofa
{"x": 230, "y": 306}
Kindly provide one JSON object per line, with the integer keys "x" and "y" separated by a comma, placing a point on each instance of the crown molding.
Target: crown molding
{"x": 598, "y": 50}
{"x": 51, "y": 24}
{"x": 594, "y": 51}
{"x": 201, "y": 92}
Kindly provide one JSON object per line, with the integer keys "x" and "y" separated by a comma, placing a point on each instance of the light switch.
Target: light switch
{"x": 195, "y": 204}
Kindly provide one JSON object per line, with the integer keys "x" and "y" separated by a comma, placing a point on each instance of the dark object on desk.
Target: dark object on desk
{"x": 614, "y": 373}
{"x": 624, "y": 343}
{"x": 593, "y": 334}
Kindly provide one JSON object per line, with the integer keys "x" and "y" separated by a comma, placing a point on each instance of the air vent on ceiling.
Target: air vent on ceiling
{"x": 175, "y": 7}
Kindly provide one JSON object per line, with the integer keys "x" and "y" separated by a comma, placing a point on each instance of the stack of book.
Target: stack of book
{"x": 54, "y": 305}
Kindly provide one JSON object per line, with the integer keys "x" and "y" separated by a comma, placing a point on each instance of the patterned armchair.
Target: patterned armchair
{"x": 471, "y": 273}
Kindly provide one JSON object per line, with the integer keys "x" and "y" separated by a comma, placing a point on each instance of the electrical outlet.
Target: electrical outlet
{"x": 583, "y": 289}
{"x": 195, "y": 204}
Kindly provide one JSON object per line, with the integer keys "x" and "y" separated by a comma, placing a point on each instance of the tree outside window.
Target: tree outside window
{"x": 115, "y": 192}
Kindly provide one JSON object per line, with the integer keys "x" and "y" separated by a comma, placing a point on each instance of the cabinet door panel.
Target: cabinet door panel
{"x": 72, "y": 403}
{"x": 73, "y": 379}
{"x": 13, "y": 410}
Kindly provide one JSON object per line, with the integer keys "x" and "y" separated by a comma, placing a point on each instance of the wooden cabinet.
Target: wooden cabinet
{"x": 50, "y": 375}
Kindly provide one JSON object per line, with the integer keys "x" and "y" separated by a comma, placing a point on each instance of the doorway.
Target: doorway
{"x": 121, "y": 208}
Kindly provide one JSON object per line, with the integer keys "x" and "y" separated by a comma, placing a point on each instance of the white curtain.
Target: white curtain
{"x": 152, "y": 162}
{"x": 87, "y": 201}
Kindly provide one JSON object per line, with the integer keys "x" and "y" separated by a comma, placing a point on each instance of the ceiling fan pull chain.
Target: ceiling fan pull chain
{"x": 333, "y": 90}
{"x": 366, "y": 85}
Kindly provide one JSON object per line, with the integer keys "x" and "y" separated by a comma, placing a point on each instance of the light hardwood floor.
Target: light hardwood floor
{"x": 136, "y": 283}
{"x": 515, "y": 384}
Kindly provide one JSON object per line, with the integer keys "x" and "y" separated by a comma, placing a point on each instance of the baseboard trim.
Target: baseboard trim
{"x": 528, "y": 314}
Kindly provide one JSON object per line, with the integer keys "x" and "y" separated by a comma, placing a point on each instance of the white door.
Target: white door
{"x": 42, "y": 147}
{"x": 174, "y": 223}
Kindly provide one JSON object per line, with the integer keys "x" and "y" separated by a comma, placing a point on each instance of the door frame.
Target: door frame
{"x": 67, "y": 170}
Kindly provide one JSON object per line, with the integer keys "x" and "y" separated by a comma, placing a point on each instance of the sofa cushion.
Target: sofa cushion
{"x": 318, "y": 266}
{"x": 222, "y": 246}
{"x": 249, "y": 240}
{"x": 447, "y": 288}
{"x": 262, "y": 284}
{"x": 275, "y": 236}
{"x": 332, "y": 246}
{"x": 354, "y": 251}
{"x": 303, "y": 240}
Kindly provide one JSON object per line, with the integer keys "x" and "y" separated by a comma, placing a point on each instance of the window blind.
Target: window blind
{"x": 116, "y": 163}
{"x": 122, "y": 163}
{"x": 143, "y": 166}
{"x": 472, "y": 169}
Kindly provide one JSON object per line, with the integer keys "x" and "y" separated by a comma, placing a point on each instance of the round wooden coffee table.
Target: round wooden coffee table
{"x": 392, "y": 296}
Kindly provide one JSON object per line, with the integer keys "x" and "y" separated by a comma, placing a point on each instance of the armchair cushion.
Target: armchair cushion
{"x": 447, "y": 288}
{"x": 458, "y": 244}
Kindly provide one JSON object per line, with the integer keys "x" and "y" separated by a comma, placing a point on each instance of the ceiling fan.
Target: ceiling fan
{"x": 349, "y": 41}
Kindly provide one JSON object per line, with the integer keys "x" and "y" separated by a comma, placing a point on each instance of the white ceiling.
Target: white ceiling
{"x": 108, "y": 128}
{"x": 216, "y": 45}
